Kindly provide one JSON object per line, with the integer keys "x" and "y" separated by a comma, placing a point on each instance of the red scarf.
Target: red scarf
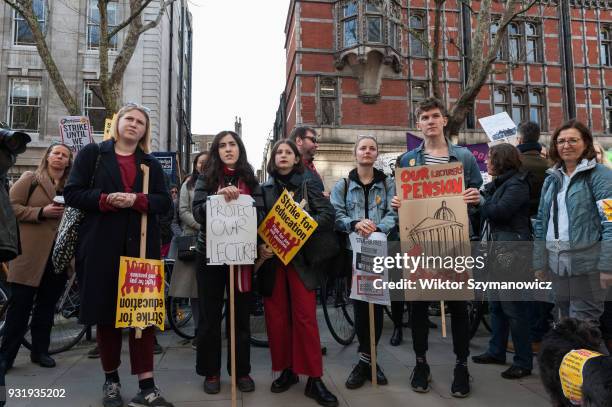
{"x": 243, "y": 277}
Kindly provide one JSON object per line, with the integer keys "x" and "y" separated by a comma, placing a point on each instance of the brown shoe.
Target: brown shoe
{"x": 535, "y": 347}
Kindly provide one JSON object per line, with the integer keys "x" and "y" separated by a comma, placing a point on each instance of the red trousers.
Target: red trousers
{"x": 109, "y": 341}
{"x": 291, "y": 320}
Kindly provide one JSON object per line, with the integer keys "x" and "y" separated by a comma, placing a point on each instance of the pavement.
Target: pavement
{"x": 82, "y": 378}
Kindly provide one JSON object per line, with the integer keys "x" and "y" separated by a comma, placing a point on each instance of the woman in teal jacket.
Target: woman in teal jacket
{"x": 363, "y": 205}
{"x": 572, "y": 225}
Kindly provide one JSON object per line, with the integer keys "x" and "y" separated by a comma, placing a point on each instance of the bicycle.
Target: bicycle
{"x": 338, "y": 308}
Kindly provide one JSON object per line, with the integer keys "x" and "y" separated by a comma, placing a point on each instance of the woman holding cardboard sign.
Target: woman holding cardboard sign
{"x": 289, "y": 290}
{"x": 363, "y": 205}
{"x": 106, "y": 183}
{"x": 227, "y": 172}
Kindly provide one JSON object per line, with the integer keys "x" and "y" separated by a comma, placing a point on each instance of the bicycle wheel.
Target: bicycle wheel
{"x": 66, "y": 331}
{"x": 180, "y": 317}
{"x": 338, "y": 309}
{"x": 259, "y": 334}
{"x": 478, "y": 311}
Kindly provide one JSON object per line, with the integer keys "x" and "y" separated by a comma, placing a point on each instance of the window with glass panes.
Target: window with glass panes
{"x": 417, "y": 35}
{"x": 24, "y": 104}
{"x": 536, "y": 107}
{"x": 374, "y": 23}
{"x": 93, "y": 24}
{"x": 93, "y": 106}
{"x": 494, "y": 29}
{"x": 349, "y": 24}
{"x": 532, "y": 41}
{"x": 518, "y": 106}
{"x": 500, "y": 101}
{"x": 22, "y": 35}
{"x": 605, "y": 38}
{"x": 327, "y": 101}
{"x": 514, "y": 42}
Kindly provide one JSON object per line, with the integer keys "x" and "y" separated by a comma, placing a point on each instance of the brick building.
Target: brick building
{"x": 354, "y": 68}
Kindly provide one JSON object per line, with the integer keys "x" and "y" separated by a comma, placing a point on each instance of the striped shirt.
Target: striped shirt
{"x": 432, "y": 159}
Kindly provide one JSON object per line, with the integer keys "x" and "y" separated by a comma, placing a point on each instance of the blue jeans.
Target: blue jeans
{"x": 511, "y": 317}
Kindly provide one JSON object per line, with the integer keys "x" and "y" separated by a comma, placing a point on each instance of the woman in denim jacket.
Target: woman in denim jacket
{"x": 574, "y": 225}
{"x": 349, "y": 197}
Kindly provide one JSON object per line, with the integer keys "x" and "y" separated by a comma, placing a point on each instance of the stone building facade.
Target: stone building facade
{"x": 158, "y": 75}
{"x": 354, "y": 68}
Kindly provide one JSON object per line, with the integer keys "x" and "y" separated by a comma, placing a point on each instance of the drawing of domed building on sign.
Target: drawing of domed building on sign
{"x": 440, "y": 235}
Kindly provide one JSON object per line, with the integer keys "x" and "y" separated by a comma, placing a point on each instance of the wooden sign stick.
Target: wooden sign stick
{"x": 143, "y": 225}
{"x": 232, "y": 336}
{"x": 443, "y": 316}
{"x": 372, "y": 345}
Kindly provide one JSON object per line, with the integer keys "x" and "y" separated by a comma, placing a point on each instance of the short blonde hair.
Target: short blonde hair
{"x": 145, "y": 141}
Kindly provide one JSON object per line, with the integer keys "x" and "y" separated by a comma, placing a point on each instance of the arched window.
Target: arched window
{"x": 493, "y": 31}
{"x": 533, "y": 38}
{"x": 518, "y": 106}
{"x": 536, "y": 107}
{"x": 514, "y": 41}
{"x": 500, "y": 101}
{"x": 417, "y": 36}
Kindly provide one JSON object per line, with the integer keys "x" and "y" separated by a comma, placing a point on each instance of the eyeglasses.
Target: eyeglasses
{"x": 134, "y": 104}
{"x": 570, "y": 141}
{"x": 311, "y": 138}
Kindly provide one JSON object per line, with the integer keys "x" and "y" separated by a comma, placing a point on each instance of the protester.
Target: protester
{"x": 363, "y": 205}
{"x": 183, "y": 283}
{"x": 34, "y": 286}
{"x": 107, "y": 184}
{"x": 305, "y": 138}
{"x": 572, "y": 223}
{"x": 432, "y": 117}
{"x": 601, "y": 155}
{"x": 227, "y": 172}
{"x": 289, "y": 291}
{"x": 505, "y": 214}
{"x": 540, "y": 312}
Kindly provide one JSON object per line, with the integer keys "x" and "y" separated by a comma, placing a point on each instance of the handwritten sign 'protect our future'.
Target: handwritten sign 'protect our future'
{"x": 231, "y": 230}
{"x": 286, "y": 228}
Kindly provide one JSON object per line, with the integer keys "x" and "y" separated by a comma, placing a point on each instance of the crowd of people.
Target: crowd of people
{"x": 558, "y": 201}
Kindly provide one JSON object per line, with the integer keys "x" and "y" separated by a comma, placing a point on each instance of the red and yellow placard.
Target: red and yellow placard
{"x": 570, "y": 373}
{"x": 286, "y": 228}
{"x": 140, "y": 297}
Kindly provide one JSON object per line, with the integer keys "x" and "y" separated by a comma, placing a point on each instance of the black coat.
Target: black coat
{"x": 506, "y": 206}
{"x": 322, "y": 212}
{"x": 105, "y": 236}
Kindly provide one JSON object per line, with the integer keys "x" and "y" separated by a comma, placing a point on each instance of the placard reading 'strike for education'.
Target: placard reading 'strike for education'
{"x": 140, "y": 297}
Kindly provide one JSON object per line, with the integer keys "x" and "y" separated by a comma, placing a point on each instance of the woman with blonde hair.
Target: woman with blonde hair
{"x": 107, "y": 185}
{"x": 34, "y": 286}
{"x": 601, "y": 156}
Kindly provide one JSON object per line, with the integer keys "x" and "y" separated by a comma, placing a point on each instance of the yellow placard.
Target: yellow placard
{"x": 140, "y": 297}
{"x": 605, "y": 208}
{"x": 108, "y": 127}
{"x": 570, "y": 373}
{"x": 286, "y": 228}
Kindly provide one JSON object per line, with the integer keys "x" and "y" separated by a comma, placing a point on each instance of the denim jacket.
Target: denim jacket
{"x": 473, "y": 179}
{"x": 588, "y": 225}
{"x": 353, "y": 208}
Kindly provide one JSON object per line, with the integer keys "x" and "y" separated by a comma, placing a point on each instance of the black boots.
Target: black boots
{"x": 284, "y": 381}
{"x": 315, "y": 389}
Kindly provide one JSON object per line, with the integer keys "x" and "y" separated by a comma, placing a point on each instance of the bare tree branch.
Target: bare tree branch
{"x": 134, "y": 14}
{"x": 154, "y": 23}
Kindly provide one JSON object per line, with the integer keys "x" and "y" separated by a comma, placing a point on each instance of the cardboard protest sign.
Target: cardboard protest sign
{"x": 570, "y": 373}
{"x": 434, "y": 226}
{"x": 498, "y": 127}
{"x": 140, "y": 299}
{"x": 365, "y": 250}
{"x": 231, "y": 230}
{"x": 76, "y": 132}
{"x": 286, "y": 228}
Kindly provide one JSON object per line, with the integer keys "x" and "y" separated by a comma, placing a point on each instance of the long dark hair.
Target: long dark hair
{"x": 213, "y": 169}
{"x": 271, "y": 167}
{"x": 194, "y": 173}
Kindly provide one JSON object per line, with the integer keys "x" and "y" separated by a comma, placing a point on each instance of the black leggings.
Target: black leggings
{"x": 40, "y": 302}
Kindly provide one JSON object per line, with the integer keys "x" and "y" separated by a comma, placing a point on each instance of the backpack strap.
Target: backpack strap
{"x": 33, "y": 186}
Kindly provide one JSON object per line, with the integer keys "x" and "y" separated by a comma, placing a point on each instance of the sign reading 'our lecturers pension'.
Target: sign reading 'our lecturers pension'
{"x": 140, "y": 300}
{"x": 286, "y": 228}
{"x": 231, "y": 230}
